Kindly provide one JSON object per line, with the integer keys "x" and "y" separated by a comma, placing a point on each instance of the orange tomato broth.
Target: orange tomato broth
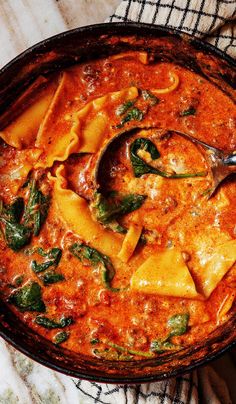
{"x": 175, "y": 215}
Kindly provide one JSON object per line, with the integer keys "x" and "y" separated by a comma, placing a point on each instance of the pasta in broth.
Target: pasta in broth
{"x": 109, "y": 245}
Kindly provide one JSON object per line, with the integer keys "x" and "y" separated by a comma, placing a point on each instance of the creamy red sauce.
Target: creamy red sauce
{"x": 175, "y": 214}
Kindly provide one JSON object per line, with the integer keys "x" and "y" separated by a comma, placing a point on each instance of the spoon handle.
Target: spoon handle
{"x": 230, "y": 160}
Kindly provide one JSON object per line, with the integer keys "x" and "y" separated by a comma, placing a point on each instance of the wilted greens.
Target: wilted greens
{"x": 108, "y": 210}
{"x": 28, "y": 298}
{"x": 124, "y": 107}
{"x": 36, "y": 209}
{"x": 116, "y": 351}
{"x": 50, "y": 277}
{"x": 178, "y": 325}
{"x": 134, "y": 114}
{"x": 50, "y": 324}
{"x": 20, "y": 221}
{"x": 93, "y": 257}
{"x": 54, "y": 256}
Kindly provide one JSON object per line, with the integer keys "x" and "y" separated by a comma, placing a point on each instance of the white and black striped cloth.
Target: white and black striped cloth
{"x": 212, "y": 20}
{"x": 203, "y": 386}
{"x": 181, "y": 390}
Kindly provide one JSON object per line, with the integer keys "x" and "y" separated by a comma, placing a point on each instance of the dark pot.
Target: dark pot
{"x": 57, "y": 53}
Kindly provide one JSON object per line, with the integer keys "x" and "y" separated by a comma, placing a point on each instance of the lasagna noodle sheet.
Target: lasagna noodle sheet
{"x": 54, "y": 136}
{"x": 165, "y": 273}
{"x": 130, "y": 242}
{"x": 75, "y": 213}
{"x": 84, "y": 131}
{"x": 92, "y": 124}
{"x": 22, "y": 132}
{"x": 217, "y": 263}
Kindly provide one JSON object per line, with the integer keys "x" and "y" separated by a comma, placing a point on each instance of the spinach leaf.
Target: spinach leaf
{"x": 50, "y": 277}
{"x": 111, "y": 354}
{"x": 160, "y": 346}
{"x": 50, "y": 324}
{"x": 93, "y": 257}
{"x": 187, "y": 112}
{"x": 117, "y": 228}
{"x": 94, "y": 341}
{"x": 107, "y": 278}
{"x": 106, "y": 212}
{"x": 130, "y": 351}
{"x": 85, "y": 253}
{"x": 60, "y": 337}
{"x": 40, "y": 267}
{"x": 17, "y": 235}
{"x": 55, "y": 254}
{"x": 131, "y": 202}
{"x": 36, "y": 209}
{"x": 41, "y": 252}
{"x": 140, "y": 167}
{"x": 124, "y": 107}
{"x": 28, "y": 298}
{"x": 178, "y": 324}
{"x": 119, "y": 348}
{"x": 149, "y": 96}
{"x": 134, "y": 114}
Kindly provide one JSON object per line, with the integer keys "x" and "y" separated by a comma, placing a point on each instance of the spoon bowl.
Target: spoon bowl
{"x": 220, "y": 164}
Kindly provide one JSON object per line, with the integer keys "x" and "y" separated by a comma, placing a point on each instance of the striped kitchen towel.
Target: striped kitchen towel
{"x": 212, "y": 20}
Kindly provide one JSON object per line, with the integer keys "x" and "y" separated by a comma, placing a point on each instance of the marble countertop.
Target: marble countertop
{"x": 21, "y": 379}
{"x": 26, "y": 22}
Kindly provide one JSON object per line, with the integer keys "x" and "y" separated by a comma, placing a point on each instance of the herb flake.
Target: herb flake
{"x": 187, "y": 112}
{"x": 60, "y": 337}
